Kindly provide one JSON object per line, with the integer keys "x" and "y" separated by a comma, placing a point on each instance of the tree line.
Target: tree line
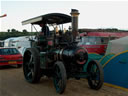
{"x": 15, "y": 33}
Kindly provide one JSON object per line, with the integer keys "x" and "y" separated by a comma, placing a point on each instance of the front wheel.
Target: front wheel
{"x": 59, "y": 77}
{"x": 95, "y": 78}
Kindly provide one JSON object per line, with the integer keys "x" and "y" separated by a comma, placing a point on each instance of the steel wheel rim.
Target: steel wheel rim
{"x": 57, "y": 79}
{"x": 29, "y": 66}
{"x": 94, "y": 75}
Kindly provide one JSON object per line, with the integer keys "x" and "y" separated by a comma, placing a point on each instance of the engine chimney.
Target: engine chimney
{"x": 74, "y": 13}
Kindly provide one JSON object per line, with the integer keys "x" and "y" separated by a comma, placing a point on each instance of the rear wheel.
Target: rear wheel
{"x": 95, "y": 78}
{"x": 59, "y": 77}
{"x": 31, "y": 65}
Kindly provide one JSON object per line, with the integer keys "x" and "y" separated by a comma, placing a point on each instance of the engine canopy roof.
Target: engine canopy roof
{"x": 51, "y": 18}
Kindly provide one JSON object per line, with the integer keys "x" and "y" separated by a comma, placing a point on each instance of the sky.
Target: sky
{"x": 93, "y": 14}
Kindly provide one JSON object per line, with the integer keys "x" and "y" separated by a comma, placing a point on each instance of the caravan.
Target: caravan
{"x": 21, "y": 43}
{"x": 1, "y": 43}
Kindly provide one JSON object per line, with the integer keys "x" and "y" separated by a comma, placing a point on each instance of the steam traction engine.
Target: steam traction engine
{"x": 59, "y": 56}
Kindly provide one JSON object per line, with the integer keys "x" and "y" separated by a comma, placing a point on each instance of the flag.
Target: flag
{"x": 3, "y": 15}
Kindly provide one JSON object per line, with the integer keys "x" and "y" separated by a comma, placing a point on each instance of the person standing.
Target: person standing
{"x": 44, "y": 30}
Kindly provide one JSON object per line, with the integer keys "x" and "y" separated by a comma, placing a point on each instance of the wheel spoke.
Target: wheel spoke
{"x": 30, "y": 66}
{"x": 30, "y": 61}
{"x": 27, "y": 66}
{"x": 29, "y": 74}
{"x": 59, "y": 83}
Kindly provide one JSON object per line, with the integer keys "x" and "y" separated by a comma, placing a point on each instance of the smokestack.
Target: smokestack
{"x": 74, "y": 13}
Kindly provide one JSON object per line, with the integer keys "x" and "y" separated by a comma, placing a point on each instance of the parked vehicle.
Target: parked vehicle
{"x": 57, "y": 55}
{"x": 21, "y": 43}
{"x": 10, "y": 56}
{"x": 1, "y": 43}
{"x": 96, "y": 42}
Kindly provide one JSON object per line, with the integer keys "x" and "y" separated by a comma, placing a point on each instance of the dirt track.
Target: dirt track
{"x": 12, "y": 83}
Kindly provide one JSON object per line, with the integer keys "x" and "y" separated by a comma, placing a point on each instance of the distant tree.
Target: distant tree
{"x": 13, "y": 30}
{"x": 17, "y": 31}
{"x": 8, "y": 30}
{"x": 25, "y": 30}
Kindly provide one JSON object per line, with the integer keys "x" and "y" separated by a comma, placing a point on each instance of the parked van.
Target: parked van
{"x": 21, "y": 43}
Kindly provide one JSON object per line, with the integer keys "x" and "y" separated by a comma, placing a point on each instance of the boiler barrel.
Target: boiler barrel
{"x": 76, "y": 55}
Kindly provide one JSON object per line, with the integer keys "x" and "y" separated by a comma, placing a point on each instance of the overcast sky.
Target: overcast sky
{"x": 93, "y": 14}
